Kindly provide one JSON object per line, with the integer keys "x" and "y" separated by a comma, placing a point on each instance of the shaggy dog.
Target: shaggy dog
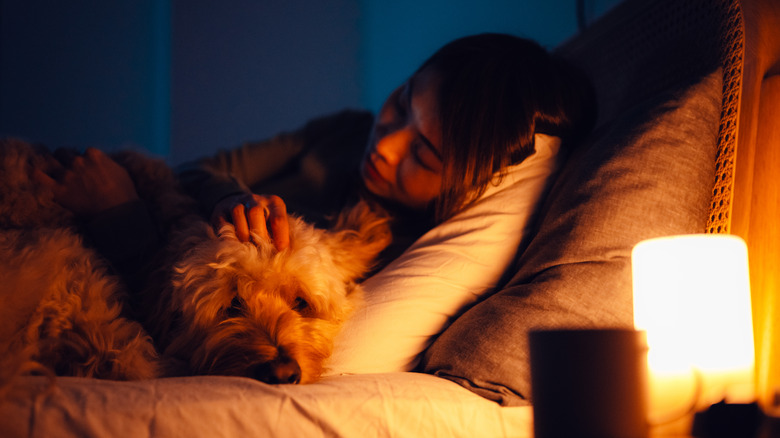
{"x": 213, "y": 305}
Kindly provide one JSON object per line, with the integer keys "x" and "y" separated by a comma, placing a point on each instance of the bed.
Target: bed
{"x": 687, "y": 140}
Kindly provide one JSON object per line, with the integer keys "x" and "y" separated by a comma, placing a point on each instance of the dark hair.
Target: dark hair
{"x": 496, "y": 91}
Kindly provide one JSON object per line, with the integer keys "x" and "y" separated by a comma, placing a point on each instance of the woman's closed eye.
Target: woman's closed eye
{"x": 426, "y": 156}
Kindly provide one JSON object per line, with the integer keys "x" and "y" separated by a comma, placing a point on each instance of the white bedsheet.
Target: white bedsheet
{"x": 366, "y": 405}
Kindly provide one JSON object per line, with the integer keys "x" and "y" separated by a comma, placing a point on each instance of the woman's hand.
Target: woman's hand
{"x": 93, "y": 183}
{"x": 263, "y": 215}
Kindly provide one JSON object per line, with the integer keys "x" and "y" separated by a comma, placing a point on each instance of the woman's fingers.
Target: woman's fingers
{"x": 262, "y": 216}
{"x": 238, "y": 218}
{"x": 267, "y": 218}
{"x": 256, "y": 218}
{"x": 277, "y": 221}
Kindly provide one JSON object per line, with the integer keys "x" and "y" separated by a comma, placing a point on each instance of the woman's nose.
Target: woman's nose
{"x": 392, "y": 146}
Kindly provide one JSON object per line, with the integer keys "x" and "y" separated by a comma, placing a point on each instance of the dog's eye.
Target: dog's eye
{"x": 235, "y": 308}
{"x": 300, "y": 305}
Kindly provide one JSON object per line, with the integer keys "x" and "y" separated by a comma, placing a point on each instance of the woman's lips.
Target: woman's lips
{"x": 372, "y": 173}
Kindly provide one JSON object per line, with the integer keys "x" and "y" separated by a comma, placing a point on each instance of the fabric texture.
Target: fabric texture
{"x": 647, "y": 173}
{"x": 397, "y": 405}
{"x": 414, "y": 297}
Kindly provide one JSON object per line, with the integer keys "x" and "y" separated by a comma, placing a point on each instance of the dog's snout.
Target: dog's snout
{"x": 288, "y": 372}
{"x": 282, "y": 370}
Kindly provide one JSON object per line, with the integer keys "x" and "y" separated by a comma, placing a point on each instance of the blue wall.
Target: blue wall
{"x": 246, "y": 69}
{"x": 84, "y": 72}
{"x": 399, "y": 35}
{"x": 181, "y": 78}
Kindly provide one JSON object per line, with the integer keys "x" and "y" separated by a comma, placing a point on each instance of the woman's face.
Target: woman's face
{"x": 402, "y": 162}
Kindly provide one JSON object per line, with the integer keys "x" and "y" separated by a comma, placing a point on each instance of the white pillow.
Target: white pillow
{"x": 414, "y": 297}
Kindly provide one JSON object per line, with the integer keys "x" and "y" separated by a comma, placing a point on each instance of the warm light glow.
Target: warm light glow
{"x": 692, "y": 297}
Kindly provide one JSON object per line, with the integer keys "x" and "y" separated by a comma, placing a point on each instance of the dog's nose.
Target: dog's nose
{"x": 282, "y": 370}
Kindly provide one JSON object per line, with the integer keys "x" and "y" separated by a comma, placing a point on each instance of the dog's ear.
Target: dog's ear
{"x": 359, "y": 235}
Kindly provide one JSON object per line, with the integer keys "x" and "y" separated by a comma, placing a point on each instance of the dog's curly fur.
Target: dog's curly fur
{"x": 214, "y": 305}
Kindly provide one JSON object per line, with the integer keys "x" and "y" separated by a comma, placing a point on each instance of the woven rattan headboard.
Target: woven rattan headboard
{"x": 746, "y": 193}
{"x": 732, "y": 41}
{"x": 754, "y": 210}
{"x": 745, "y": 197}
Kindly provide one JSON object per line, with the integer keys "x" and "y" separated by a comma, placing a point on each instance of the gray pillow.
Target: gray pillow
{"x": 647, "y": 173}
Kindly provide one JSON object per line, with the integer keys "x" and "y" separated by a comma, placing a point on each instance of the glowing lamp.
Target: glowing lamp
{"x": 692, "y": 298}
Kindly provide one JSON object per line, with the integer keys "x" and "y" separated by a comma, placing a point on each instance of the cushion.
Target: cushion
{"x": 646, "y": 173}
{"x": 413, "y": 298}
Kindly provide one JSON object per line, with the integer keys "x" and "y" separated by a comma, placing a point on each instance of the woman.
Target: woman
{"x": 438, "y": 142}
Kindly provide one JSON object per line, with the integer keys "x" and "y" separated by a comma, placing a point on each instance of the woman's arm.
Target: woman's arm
{"x": 232, "y": 172}
{"x": 304, "y": 162}
{"x": 337, "y": 141}
{"x": 222, "y": 186}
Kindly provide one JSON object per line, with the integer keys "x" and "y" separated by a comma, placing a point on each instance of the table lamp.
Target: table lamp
{"x": 692, "y": 298}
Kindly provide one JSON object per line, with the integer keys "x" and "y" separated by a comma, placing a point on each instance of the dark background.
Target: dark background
{"x": 181, "y": 78}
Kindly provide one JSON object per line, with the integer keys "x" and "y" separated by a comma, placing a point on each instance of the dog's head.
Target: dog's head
{"x": 250, "y": 310}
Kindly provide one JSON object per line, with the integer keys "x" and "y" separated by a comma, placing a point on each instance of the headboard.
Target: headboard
{"x": 753, "y": 212}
